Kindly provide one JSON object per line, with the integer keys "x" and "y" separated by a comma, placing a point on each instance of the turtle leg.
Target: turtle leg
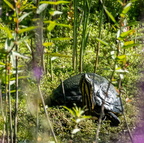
{"x": 114, "y": 119}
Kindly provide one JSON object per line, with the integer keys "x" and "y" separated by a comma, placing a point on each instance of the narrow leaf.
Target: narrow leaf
{"x": 47, "y": 44}
{"x": 1, "y": 63}
{"x": 101, "y": 41}
{"x": 131, "y": 45}
{"x": 19, "y": 55}
{"x": 124, "y": 34}
{"x": 62, "y": 39}
{"x": 128, "y": 43}
{"x": 9, "y": 4}
{"x": 121, "y": 57}
{"x": 64, "y": 25}
{"x": 126, "y": 8}
{"x": 54, "y": 3}
{"x": 51, "y": 26}
{"x": 41, "y": 8}
{"x": 122, "y": 71}
{"x": 24, "y": 16}
{"x": 27, "y": 29}
{"x": 110, "y": 15}
{"x": 53, "y": 13}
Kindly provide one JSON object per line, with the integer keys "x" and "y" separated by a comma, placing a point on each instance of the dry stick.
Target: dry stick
{"x": 46, "y": 113}
{"x": 10, "y": 108}
{"x": 6, "y": 104}
{"x": 74, "y": 58}
{"x": 129, "y": 132}
{"x": 16, "y": 75}
{"x": 2, "y": 112}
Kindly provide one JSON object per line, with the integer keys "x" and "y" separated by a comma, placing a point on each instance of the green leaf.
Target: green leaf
{"x": 2, "y": 63}
{"x": 125, "y": 34}
{"x": 51, "y": 26}
{"x": 130, "y": 45}
{"x": 64, "y": 25}
{"x": 8, "y": 45}
{"x": 110, "y": 15}
{"x": 47, "y": 44}
{"x": 7, "y": 31}
{"x": 41, "y": 8}
{"x": 9, "y": 4}
{"x": 53, "y": 13}
{"x": 58, "y": 24}
{"x": 126, "y": 8}
{"x": 121, "y": 57}
{"x": 54, "y": 3}
{"x": 101, "y": 41}
{"x": 70, "y": 110}
{"x": 24, "y": 16}
{"x": 58, "y": 55}
{"x": 62, "y": 39}
{"x": 121, "y": 70}
{"x": 27, "y": 29}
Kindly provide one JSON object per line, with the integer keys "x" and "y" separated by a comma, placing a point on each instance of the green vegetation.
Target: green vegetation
{"x": 44, "y": 42}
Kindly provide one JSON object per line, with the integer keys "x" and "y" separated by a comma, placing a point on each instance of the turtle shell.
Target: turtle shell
{"x": 68, "y": 92}
{"x": 99, "y": 91}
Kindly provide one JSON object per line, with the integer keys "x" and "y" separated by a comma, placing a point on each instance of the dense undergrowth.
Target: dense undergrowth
{"x": 105, "y": 41}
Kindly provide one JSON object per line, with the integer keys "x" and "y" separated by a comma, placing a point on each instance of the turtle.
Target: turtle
{"x": 90, "y": 90}
{"x": 96, "y": 92}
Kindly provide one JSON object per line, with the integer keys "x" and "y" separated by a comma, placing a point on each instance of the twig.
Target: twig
{"x": 129, "y": 132}
{"x": 46, "y": 113}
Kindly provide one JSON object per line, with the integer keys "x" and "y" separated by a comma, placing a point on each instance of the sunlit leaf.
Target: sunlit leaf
{"x": 29, "y": 48}
{"x": 53, "y": 13}
{"x": 8, "y": 45}
{"x": 54, "y": 3}
{"x": 62, "y": 39}
{"x": 47, "y": 44}
{"x": 121, "y": 70}
{"x": 125, "y": 34}
{"x": 27, "y": 29}
{"x": 110, "y": 15}
{"x": 41, "y": 8}
{"x": 74, "y": 131}
{"x": 58, "y": 24}
{"x": 12, "y": 82}
{"x": 7, "y": 31}
{"x": 24, "y": 16}
{"x": 118, "y": 33}
{"x": 51, "y": 26}
{"x": 19, "y": 55}
{"x": 1, "y": 63}
{"x": 70, "y": 110}
{"x": 64, "y": 25}
{"x": 120, "y": 2}
{"x": 9, "y": 4}
{"x": 130, "y": 45}
{"x": 126, "y": 8}
{"x": 101, "y": 41}
{"x": 121, "y": 57}
{"x": 20, "y": 77}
